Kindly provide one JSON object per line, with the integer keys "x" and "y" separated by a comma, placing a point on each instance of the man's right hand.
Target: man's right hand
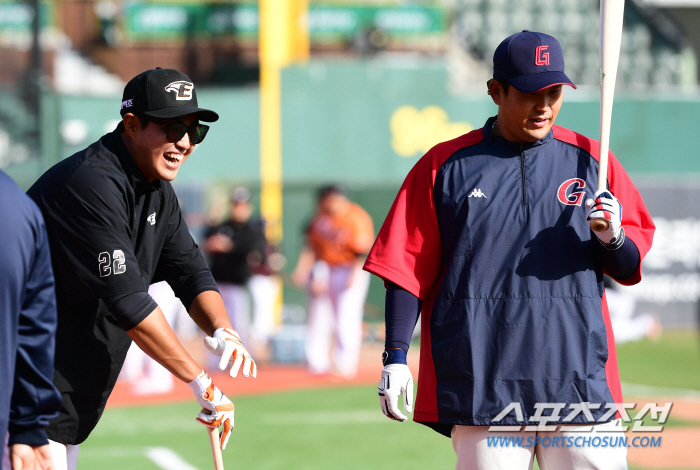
{"x": 396, "y": 380}
{"x": 24, "y": 457}
{"x": 217, "y": 409}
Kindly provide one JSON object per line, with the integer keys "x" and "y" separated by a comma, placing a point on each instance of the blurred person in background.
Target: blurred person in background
{"x": 338, "y": 238}
{"x": 28, "y": 398}
{"x": 265, "y": 285}
{"x": 237, "y": 248}
{"x": 625, "y": 324}
{"x": 146, "y": 376}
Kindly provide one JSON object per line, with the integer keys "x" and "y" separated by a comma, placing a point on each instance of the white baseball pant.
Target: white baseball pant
{"x": 265, "y": 292}
{"x": 336, "y": 314}
{"x": 65, "y": 457}
{"x": 474, "y": 453}
{"x": 237, "y": 302}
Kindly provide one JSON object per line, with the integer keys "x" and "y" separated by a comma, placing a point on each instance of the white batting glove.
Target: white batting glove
{"x": 396, "y": 380}
{"x": 217, "y": 409}
{"x": 227, "y": 344}
{"x": 606, "y": 206}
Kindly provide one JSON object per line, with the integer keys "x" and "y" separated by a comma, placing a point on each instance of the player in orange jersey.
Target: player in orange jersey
{"x": 330, "y": 267}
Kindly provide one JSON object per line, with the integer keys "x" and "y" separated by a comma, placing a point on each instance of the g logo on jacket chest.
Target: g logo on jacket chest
{"x": 570, "y": 193}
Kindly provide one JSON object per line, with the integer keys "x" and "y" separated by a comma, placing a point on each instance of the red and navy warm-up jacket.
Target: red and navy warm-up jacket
{"x": 492, "y": 237}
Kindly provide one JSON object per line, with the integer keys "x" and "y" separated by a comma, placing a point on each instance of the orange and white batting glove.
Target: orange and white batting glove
{"x": 217, "y": 409}
{"x": 606, "y": 206}
{"x": 227, "y": 344}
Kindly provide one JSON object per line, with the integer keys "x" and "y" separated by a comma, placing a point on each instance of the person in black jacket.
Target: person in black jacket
{"x": 236, "y": 247}
{"x": 115, "y": 227}
{"x": 28, "y": 398}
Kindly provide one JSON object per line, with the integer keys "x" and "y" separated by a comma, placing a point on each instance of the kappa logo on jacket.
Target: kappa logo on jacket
{"x": 151, "y": 218}
{"x": 476, "y": 193}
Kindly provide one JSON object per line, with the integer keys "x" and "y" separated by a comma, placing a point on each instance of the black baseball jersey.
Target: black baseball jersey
{"x": 111, "y": 232}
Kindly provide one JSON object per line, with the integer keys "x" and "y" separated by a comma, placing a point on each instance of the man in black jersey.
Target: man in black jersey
{"x": 115, "y": 227}
{"x": 235, "y": 247}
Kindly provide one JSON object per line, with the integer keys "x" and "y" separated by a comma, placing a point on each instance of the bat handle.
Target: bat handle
{"x": 599, "y": 225}
{"x": 215, "y": 447}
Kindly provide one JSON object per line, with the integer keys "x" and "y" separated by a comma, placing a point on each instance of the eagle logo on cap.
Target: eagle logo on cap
{"x": 183, "y": 90}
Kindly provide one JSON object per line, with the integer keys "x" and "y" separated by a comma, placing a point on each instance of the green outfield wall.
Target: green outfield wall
{"x": 365, "y": 124}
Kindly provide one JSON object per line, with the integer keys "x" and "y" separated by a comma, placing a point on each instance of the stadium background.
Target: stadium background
{"x": 383, "y": 81}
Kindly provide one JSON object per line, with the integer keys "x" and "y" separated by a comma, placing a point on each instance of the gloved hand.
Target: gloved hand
{"x": 227, "y": 344}
{"x": 396, "y": 380}
{"x": 606, "y": 206}
{"x": 217, "y": 409}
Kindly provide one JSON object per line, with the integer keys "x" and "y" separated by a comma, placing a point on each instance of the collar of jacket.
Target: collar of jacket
{"x": 137, "y": 179}
{"x": 491, "y": 137}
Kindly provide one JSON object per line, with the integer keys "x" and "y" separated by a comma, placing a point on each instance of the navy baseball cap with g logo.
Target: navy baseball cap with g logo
{"x": 530, "y": 62}
{"x": 163, "y": 93}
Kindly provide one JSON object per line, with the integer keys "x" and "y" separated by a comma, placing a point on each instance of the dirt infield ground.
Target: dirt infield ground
{"x": 679, "y": 448}
{"x": 271, "y": 378}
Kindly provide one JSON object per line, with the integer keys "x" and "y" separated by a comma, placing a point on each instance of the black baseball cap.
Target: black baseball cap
{"x": 530, "y": 62}
{"x": 163, "y": 93}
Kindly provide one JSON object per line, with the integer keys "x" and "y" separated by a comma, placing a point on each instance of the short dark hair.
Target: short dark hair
{"x": 143, "y": 119}
{"x": 331, "y": 189}
{"x": 504, "y": 83}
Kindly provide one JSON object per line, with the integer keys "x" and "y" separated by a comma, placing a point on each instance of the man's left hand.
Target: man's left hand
{"x": 396, "y": 380}
{"x": 606, "y": 206}
{"x": 227, "y": 344}
{"x": 217, "y": 409}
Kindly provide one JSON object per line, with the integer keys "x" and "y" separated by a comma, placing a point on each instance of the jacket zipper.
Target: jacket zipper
{"x": 522, "y": 176}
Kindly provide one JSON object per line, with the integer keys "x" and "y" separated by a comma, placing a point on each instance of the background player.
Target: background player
{"x": 115, "y": 227}
{"x": 330, "y": 268}
{"x": 488, "y": 235}
{"x": 235, "y": 246}
{"x": 28, "y": 399}
{"x": 145, "y": 375}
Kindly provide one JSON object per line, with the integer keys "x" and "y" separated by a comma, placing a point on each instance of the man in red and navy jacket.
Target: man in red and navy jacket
{"x": 489, "y": 237}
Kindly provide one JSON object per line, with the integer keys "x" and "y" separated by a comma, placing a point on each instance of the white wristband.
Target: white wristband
{"x": 200, "y": 383}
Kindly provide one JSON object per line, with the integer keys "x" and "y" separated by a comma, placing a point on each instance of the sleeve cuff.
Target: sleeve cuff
{"x": 131, "y": 309}
{"x": 30, "y": 436}
{"x": 194, "y": 285}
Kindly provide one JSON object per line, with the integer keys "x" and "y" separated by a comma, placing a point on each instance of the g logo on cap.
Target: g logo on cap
{"x": 540, "y": 58}
{"x": 182, "y": 89}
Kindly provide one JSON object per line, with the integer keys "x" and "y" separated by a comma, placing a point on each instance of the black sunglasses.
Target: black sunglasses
{"x": 175, "y": 131}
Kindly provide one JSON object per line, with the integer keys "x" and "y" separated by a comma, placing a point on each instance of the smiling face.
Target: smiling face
{"x": 525, "y": 117}
{"x": 156, "y": 157}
